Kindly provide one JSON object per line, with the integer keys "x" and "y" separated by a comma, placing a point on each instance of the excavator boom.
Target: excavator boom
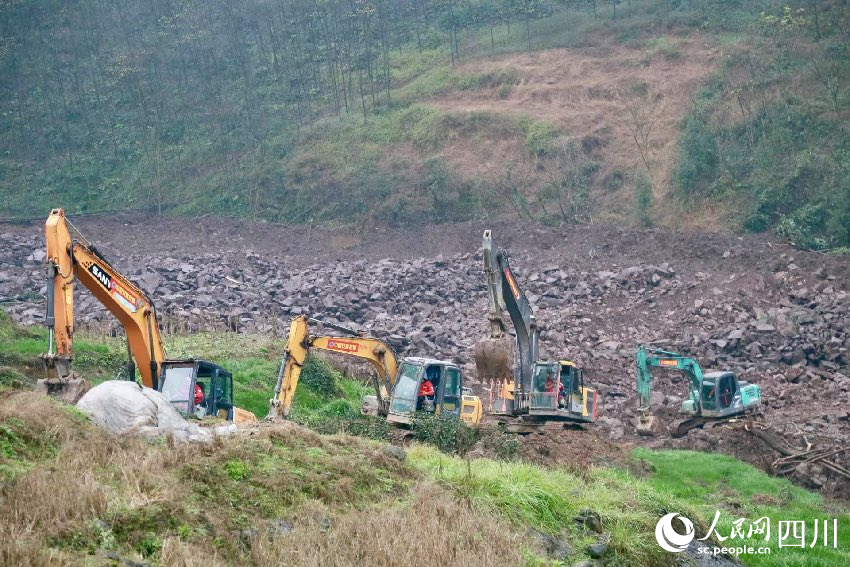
{"x": 664, "y": 359}
{"x": 72, "y": 258}
{"x": 495, "y": 356}
{"x": 376, "y": 352}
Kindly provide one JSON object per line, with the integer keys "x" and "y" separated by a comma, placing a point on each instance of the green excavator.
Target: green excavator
{"x": 714, "y": 396}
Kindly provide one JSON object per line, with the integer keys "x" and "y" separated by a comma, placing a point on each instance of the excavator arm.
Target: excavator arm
{"x": 505, "y": 294}
{"x": 70, "y": 259}
{"x": 662, "y": 359}
{"x": 376, "y": 352}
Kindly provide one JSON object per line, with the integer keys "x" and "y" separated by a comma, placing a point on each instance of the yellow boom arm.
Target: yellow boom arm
{"x": 71, "y": 258}
{"x": 374, "y": 351}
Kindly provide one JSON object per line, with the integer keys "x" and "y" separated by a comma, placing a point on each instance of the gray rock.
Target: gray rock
{"x": 281, "y": 526}
{"x": 552, "y": 547}
{"x": 597, "y": 550}
{"x": 395, "y": 452}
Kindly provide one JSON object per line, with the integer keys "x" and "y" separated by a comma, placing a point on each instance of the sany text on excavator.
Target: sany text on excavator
{"x": 532, "y": 390}
{"x": 714, "y": 396}
{"x": 72, "y": 258}
{"x": 397, "y": 386}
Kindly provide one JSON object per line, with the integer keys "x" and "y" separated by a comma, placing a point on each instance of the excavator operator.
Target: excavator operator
{"x": 200, "y": 400}
{"x": 199, "y": 394}
{"x": 426, "y": 390}
{"x": 549, "y": 385}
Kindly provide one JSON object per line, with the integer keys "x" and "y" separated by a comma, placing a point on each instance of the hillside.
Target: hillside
{"x": 645, "y": 112}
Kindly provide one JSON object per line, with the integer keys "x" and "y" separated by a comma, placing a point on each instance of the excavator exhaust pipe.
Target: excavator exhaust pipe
{"x": 494, "y": 359}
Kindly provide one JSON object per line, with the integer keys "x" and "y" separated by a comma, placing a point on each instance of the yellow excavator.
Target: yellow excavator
{"x": 527, "y": 389}
{"x": 397, "y": 386}
{"x": 194, "y": 387}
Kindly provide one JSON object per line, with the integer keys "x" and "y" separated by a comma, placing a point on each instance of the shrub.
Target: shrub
{"x": 615, "y": 181}
{"x": 236, "y": 470}
{"x": 321, "y": 378}
{"x": 644, "y": 200}
{"x": 697, "y": 160}
{"x": 541, "y": 138}
{"x": 448, "y": 434}
{"x": 506, "y": 446}
{"x": 805, "y": 227}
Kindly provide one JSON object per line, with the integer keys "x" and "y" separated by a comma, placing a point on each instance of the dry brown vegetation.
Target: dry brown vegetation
{"x": 277, "y": 495}
{"x": 433, "y": 529}
{"x": 600, "y": 96}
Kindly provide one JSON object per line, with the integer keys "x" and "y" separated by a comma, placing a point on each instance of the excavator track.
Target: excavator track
{"x": 525, "y": 426}
{"x": 699, "y": 422}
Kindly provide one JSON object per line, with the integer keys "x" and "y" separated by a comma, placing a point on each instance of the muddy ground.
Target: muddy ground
{"x": 749, "y": 303}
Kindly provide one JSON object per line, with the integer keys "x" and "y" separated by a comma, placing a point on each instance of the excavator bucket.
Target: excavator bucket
{"x": 61, "y": 382}
{"x": 494, "y": 359}
{"x": 647, "y": 425}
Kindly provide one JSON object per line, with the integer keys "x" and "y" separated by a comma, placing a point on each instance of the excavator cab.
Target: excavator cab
{"x": 558, "y": 390}
{"x": 575, "y": 397}
{"x": 448, "y": 399}
{"x": 199, "y": 388}
{"x": 722, "y": 394}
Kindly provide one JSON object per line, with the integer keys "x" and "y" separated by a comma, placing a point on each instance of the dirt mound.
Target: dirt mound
{"x": 575, "y": 449}
{"x": 554, "y": 445}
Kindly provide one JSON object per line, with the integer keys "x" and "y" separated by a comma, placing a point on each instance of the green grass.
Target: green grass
{"x": 20, "y": 347}
{"x": 549, "y": 500}
{"x": 253, "y": 382}
{"x": 442, "y": 79}
{"x": 711, "y": 482}
{"x": 690, "y": 483}
{"x": 384, "y": 164}
{"x": 254, "y": 361}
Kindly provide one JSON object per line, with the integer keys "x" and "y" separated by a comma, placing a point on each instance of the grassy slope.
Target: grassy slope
{"x": 766, "y": 136}
{"x": 425, "y": 159}
{"x": 284, "y": 495}
{"x": 717, "y": 482}
{"x": 690, "y": 483}
{"x": 71, "y": 494}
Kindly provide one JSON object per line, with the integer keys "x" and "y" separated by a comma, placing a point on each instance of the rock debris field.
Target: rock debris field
{"x": 778, "y": 316}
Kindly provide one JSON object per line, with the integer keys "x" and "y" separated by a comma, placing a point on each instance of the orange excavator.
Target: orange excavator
{"x": 192, "y": 386}
{"x": 397, "y": 382}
